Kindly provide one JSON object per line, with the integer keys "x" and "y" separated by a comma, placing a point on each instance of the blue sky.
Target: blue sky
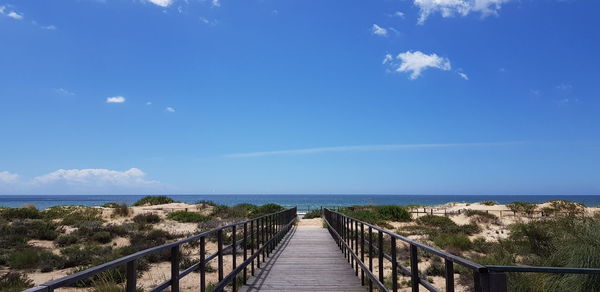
{"x": 390, "y": 96}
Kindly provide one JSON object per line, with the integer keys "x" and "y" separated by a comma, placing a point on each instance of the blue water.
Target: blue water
{"x": 302, "y": 201}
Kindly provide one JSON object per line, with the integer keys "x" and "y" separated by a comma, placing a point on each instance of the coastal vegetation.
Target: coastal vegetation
{"x": 67, "y": 239}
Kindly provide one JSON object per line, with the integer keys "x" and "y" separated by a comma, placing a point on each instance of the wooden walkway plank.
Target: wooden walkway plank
{"x": 307, "y": 260}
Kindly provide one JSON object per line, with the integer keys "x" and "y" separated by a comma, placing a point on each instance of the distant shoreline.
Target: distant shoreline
{"x": 302, "y": 201}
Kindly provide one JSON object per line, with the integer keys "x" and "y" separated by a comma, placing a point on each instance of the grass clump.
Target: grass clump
{"x": 237, "y": 211}
{"x": 452, "y": 240}
{"x": 14, "y": 282}
{"x": 313, "y": 214}
{"x": 81, "y": 215}
{"x": 265, "y": 210}
{"x": 436, "y": 221}
{"x": 154, "y": 200}
{"x": 478, "y": 216}
{"x": 562, "y": 207}
{"x": 20, "y": 213}
{"x": 146, "y": 218}
{"x": 393, "y": 213}
{"x": 522, "y": 207}
{"x": 187, "y": 217}
{"x": 33, "y": 258}
{"x": 489, "y": 203}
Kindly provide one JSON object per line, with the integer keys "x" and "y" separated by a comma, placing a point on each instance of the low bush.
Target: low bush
{"x": 121, "y": 210}
{"x": 436, "y": 268}
{"x": 34, "y": 229}
{"x": 153, "y": 200}
{"x": 482, "y": 217}
{"x": 265, "y": 210}
{"x": 235, "y": 212}
{"x": 14, "y": 282}
{"x": 562, "y": 207}
{"x": 489, "y": 203}
{"x": 33, "y": 258}
{"x": 522, "y": 207}
{"x": 452, "y": 240}
{"x": 20, "y": 213}
{"x": 146, "y": 218}
{"x": 393, "y": 213}
{"x": 187, "y": 217}
{"x": 102, "y": 237}
{"x": 81, "y": 215}
{"x": 313, "y": 214}
{"x": 66, "y": 240}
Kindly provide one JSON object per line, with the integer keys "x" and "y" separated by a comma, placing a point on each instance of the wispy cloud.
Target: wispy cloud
{"x": 378, "y": 30}
{"x": 463, "y": 75}
{"x": 368, "y": 148}
{"x": 115, "y": 99}
{"x": 11, "y": 14}
{"x": 450, "y": 8}
{"x": 170, "y": 109}
{"x": 48, "y": 27}
{"x": 416, "y": 62}
{"x": 162, "y": 3}
{"x": 64, "y": 92}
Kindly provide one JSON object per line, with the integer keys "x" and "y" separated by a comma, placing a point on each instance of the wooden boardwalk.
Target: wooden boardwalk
{"x": 307, "y": 260}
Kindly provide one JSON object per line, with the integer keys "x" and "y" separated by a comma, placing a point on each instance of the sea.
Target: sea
{"x": 303, "y": 202}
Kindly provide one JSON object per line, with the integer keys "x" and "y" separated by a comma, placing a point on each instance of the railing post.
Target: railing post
{"x": 486, "y": 281}
{"x": 370, "y": 257}
{"x": 234, "y": 255}
{"x": 252, "y": 243}
{"x": 263, "y": 235}
{"x": 356, "y": 246}
{"x": 394, "y": 265}
{"x": 449, "y": 276}
{"x": 131, "y": 284}
{"x": 351, "y": 239}
{"x": 380, "y": 260}
{"x": 220, "y": 253}
{"x": 175, "y": 268}
{"x": 245, "y": 251}
{"x": 202, "y": 265}
{"x": 414, "y": 268}
{"x": 362, "y": 252}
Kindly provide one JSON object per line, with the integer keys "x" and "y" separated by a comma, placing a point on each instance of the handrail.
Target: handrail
{"x": 345, "y": 231}
{"x": 265, "y": 232}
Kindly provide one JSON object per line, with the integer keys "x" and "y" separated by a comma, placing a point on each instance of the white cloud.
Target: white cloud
{"x": 2, "y": 8}
{"x": 15, "y": 15}
{"x": 170, "y": 109}
{"x": 463, "y": 75}
{"x": 149, "y": 103}
{"x": 95, "y": 177}
{"x": 49, "y": 27}
{"x": 367, "y": 148}
{"x": 216, "y": 3}
{"x": 416, "y": 62}
{"x": 450, "y": 8}
{"x": 398, "y": 14}
{"x": 62, "y": 91}
{"x": 7, "y": 177}
{"x": 115, "y": 99}
{"x": 162, "y": 3}
{"x": 387, "y": 58}
{"x": 378, "y": 30}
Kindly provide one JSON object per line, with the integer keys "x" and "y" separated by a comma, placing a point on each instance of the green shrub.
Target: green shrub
{"x": 265, "y": 210}
{"x": 522, "y": 207}
{"x": 121, "y": 210}
{"x": 393, "y": 213}
{"x": 562, "y": 207}
{"x": 81, "y": 215}
{"x": 206, "y": 202}
{"x": 35, "y": 229}
{"x": 237, "y": 211}
{"x": 102, "y": 237}
{"x": 489, "y": 203}
{"x": 33, "y": 258}
{"x": 452, "y": 240}
{"x": 66, "y": 240}
{"x": 482, "y": 216}
{"x": 317, "y": 213}
{"x": 14, "y": 282}
{"x": 154, "y": 200}
{"x": 188, "y": 217}
{"x": 146, "y": 218}
{"x": 20, "y": 213}
{"x": 365, "y": 215}
{"x": 436, "y": 268}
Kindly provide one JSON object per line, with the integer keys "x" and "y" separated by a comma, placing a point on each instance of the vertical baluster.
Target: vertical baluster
{"x": 234, "y": 255}
{"x": 245, "y": 251}
{"x": 253, "y": 243}
{"x": 346, "y": 239}
{"x": 394, "y": 264}
{"x": 220, "y": 253}
{"x": 362, "y": 252}
{"x": 380, "y": 260}
{"x": 131, "y": 284}
{"x": 414, "y": 268}
{"x": 356, "y": 247}
{"x": 370, "y": 257}
{"x": 351, "y": 239}
{"x": 449, "y": 276}
{"x": 175, "y": 268}
{"x": 202, "y": 265}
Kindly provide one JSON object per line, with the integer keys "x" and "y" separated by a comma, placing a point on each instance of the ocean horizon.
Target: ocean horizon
{"x": 303, "y": 201}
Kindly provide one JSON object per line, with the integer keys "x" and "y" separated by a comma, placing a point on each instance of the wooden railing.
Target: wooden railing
{"x": 259, "y": 237}
{"x": 352, "y": 235}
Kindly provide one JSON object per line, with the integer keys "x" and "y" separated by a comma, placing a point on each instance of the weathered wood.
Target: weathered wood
{"x": 308, "y": 259}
